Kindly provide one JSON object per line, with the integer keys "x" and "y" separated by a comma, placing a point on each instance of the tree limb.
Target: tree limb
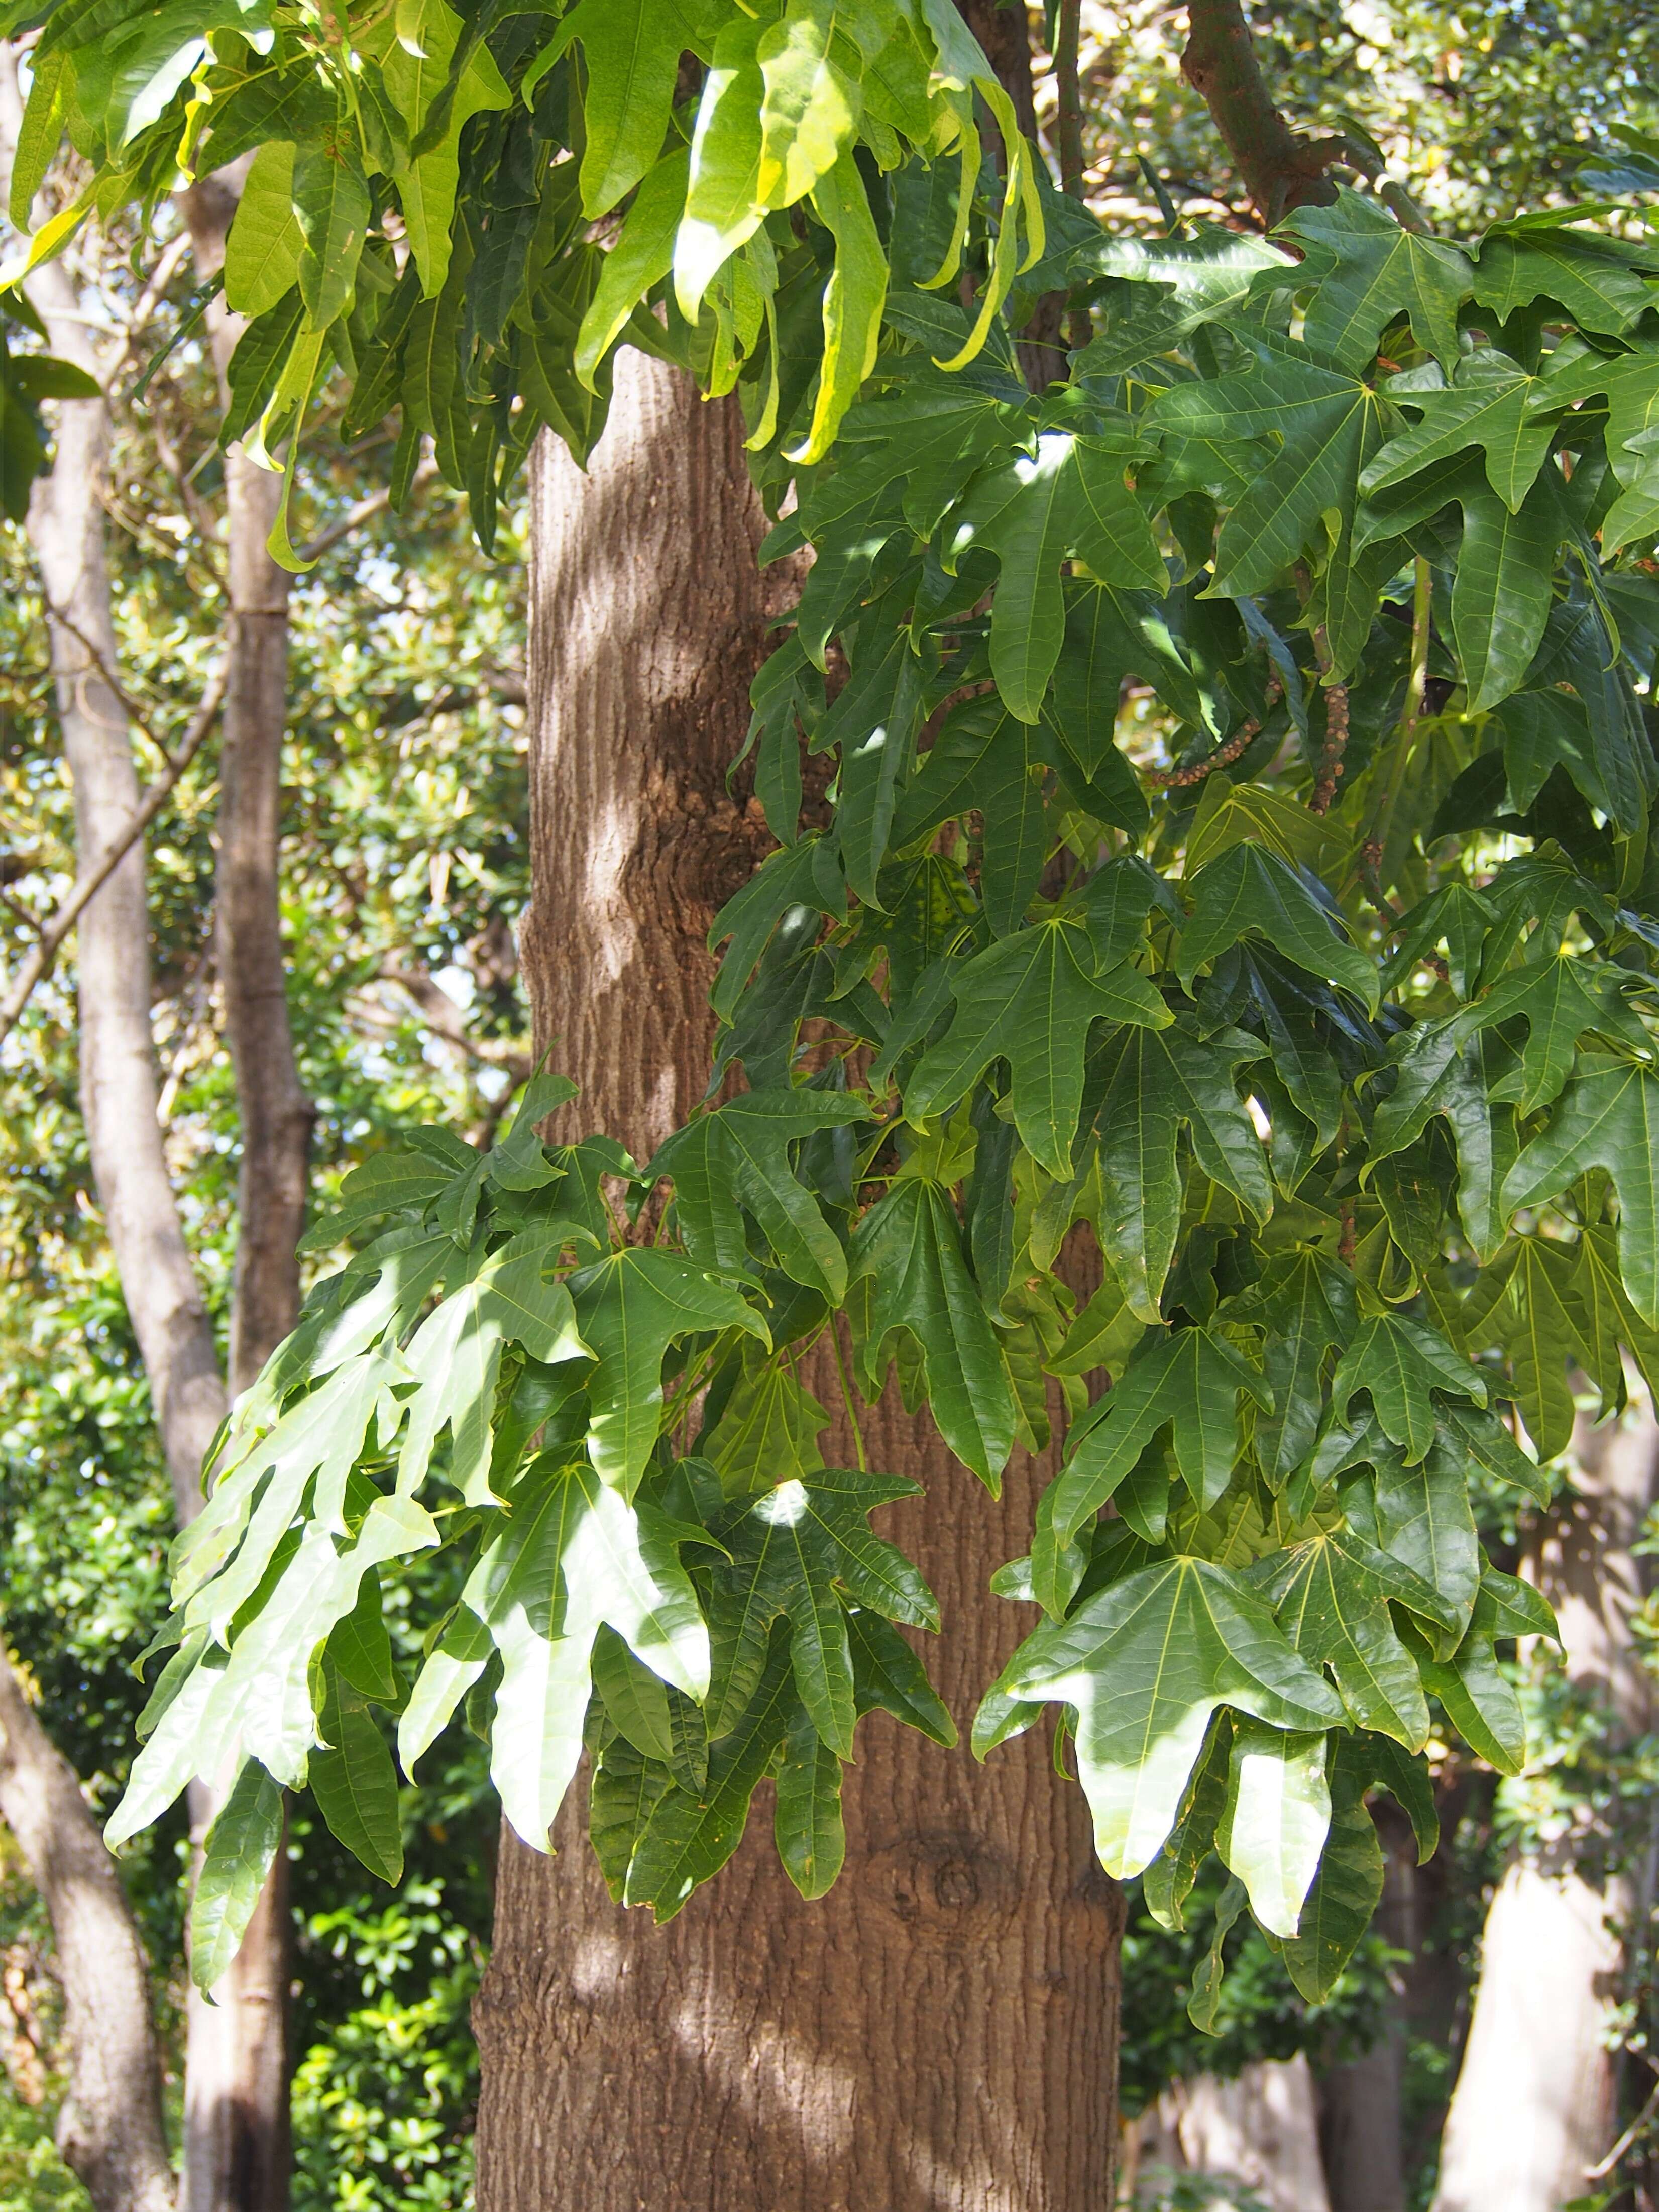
{"x": 366, "y": 509}
{"x": 1281, "y": 169}
{"x": 109, "y": 2128}
{"x": 445, "y": 1020}
{"x": 90, "y": 881}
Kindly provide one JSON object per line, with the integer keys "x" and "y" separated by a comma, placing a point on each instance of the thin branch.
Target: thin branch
{"x": 445, "y": 1020}
{"x": 38, "y": 964}
{"x": 129, "y": 706}
{"x": 1328, "y": 774}
{"x": 364, "y": 511}
{"x": 1604, "y": 2167}
{"x": 165, "y": 269}
{"x": 1281, "y": 169}
{"x": 1069, "y": 112}
{"x": 1224, "y": 756}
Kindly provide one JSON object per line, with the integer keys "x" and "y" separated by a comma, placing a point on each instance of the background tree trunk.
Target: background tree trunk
{"x": 1361, "y": 2121}
{"x": 940, "y": 2030}
{"x": 238, "y": 2155}
{"x": 236, "y": 2148}
{"x": 1537, "y": 2100}
{"x": 109, "y": 2126}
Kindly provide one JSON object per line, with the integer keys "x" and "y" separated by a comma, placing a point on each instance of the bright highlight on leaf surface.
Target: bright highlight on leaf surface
{"x": 1200, "y": 1011}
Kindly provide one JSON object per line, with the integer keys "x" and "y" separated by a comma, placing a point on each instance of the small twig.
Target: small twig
{"x": 1606, "y": 2166}
{"x": 364, "y": 511}
{"x": 129, "y": 706}
{"x": 445, "y": 1020}
{"x": 87, "y": 886}
{"x": 165, "y": 269}
{"x": 1224, "y": 756}
{"x": 1329, "y": 772}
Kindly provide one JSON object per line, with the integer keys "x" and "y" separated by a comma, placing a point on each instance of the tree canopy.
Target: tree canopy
{"x": 1327, "y": 1021}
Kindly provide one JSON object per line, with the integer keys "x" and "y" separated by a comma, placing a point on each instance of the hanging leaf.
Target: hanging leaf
{"x": 1146, "y": 1663}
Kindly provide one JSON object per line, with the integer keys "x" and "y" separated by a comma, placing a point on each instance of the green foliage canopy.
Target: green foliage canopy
{"x": 1331, "y": 1033}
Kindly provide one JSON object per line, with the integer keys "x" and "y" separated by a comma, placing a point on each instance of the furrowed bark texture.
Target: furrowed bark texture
{"x": 1536, "y": 2100}
{"x": 1281, "y": 170}
{"x": 237, "y": 2150}
{"x": 109, "y": 2127}
{"x": 940, "y": 2030}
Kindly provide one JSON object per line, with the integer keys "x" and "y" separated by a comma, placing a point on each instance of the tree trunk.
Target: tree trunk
{"x": 940, "y": 2030}
{"x": 237, "y": 2149}
{"x": 109, "y": 2126}
{"x": 1537, "y": 2096}
{"x": 1259, "y": 2130}
{"x": 275, "y": 1113}
{"x": 236, "y": 2154}
{"x": 1361, "y": 2120}
{"x": 119, "y": 1090}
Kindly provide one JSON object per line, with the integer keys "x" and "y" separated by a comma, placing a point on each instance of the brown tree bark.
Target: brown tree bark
{"x": 1536, "y": 2100}
{"x": 109, "y": 2126}
{"x": 275, "y": 1113}
{"x": 1281, "y": 169}
{"x": 939, "y": 2032}
{"x": 238, "y": 2155}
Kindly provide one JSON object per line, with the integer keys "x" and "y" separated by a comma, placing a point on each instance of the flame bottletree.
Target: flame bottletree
{"x": 1326, "y": 1032}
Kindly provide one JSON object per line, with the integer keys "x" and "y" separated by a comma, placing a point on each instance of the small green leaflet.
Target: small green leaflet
{"x": 1248, "y": 891}
{"x": 812, "y": 1839}
{"x": 1307, "y": 1311}
{"x": 1273, "y": 1828}
{"x": 1607, "y": 1117}
{"x": 1156, "y": 1081}
{"x": 910, "y": 1247}
{"x": 457, "y": 1353}
{"x": 794, "y": 1551}
{"x": 1488, "y": 402}
{"x": 1032, "y": 511}
{"x": 1146, "y": 1663}
{"x": 262, "y": 252}
{"x": 630, "y": 1308}
{"x": 1189, "y": 1377}
{"x": 1400, "y": 1362}
{"x": 1329, "y": 425}
{"x": 632, "y": 49}
{"x": 237, "y": 1856}
{"x": 982, "y": 759}
{"x": 1169, "y": 287}
{"x": 1590, "y": 276}
{"x": 1330, "y": 1595}
{"x": 739, "y": 1154}
{"x": 1369, "y": 269}
{"x": 355, "y": 1783}
{"x": 1345, "y": 1890}
{"x": 1032, "y": 1000}
{"x": 570, "y": 1555}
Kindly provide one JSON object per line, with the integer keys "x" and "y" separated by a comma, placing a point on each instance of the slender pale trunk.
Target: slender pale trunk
{"x": 1536, "y": 2100}
{"x": 237, "y": 2149}
{"x": 109, "y": 2126}
{"x": 940, "y": 2032}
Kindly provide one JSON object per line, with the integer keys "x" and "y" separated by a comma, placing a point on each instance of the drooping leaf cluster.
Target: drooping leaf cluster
{"x": 1216, "y": 1019}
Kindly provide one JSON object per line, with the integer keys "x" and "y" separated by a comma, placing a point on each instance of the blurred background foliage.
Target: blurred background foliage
{"x": 405, "y": 872}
